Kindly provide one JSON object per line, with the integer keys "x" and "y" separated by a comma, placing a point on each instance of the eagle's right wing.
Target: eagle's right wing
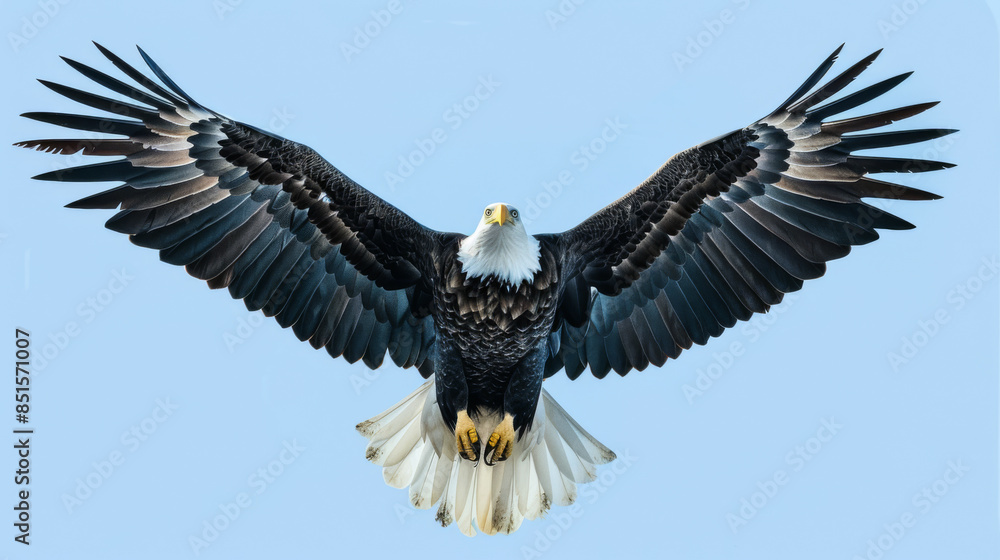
{"x": 268, "y": 218}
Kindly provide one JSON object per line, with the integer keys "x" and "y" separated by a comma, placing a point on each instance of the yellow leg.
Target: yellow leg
{"x": 466, "y": 437}
{"x": 501, "y": 441}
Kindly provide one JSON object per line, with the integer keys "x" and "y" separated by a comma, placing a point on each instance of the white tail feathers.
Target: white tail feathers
{"x": 415, "y": 449}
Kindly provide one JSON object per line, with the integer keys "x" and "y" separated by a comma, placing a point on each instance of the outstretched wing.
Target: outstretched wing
{"x": 266, "y": 217}
{"x": 725, "y": 229}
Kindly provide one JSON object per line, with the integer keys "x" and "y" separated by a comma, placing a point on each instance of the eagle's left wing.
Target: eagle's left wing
{"x": 263, "y": 216}
{"x": 725, "y": 229}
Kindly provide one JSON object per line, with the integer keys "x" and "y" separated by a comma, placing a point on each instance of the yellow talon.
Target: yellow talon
{"x": 466, "y": 437}
{"x": 501, "y": 442}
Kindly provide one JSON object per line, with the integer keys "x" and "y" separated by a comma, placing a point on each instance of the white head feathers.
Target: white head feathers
{"x": 500, "y": 247}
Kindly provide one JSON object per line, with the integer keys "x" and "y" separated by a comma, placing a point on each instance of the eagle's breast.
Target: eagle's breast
{"x": 492, "y": 319}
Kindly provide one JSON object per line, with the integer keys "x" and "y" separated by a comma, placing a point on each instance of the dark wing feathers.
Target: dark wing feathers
{"x": 720, "y": 232}
{"x": 725, "y": 229}
{"x": 240, "y": 208}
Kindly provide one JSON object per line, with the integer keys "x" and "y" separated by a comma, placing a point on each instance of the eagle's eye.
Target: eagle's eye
{"x": 513, "y": 213}
{"x": 489, "y": 212}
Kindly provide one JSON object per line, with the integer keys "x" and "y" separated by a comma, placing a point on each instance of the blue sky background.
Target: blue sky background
{"x": 239, "y": 388}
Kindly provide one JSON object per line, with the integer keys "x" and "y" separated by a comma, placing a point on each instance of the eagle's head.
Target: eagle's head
{"x": 500, "y": 247}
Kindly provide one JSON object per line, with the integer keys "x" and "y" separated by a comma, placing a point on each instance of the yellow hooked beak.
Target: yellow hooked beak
{"x": 500, "y": 215}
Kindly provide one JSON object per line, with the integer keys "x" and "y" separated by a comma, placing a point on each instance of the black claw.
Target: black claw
{"x": 477, "y": 447}
{"x": 490, "y": 456}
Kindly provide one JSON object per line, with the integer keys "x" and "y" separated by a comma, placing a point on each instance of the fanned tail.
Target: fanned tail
{"x": 415, "y": 449}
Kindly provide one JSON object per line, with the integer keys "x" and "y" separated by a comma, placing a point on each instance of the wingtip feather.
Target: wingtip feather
{"x": 164, "y": 77}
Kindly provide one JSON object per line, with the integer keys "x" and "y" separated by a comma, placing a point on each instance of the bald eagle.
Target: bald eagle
{"x": 720, "y": 232}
